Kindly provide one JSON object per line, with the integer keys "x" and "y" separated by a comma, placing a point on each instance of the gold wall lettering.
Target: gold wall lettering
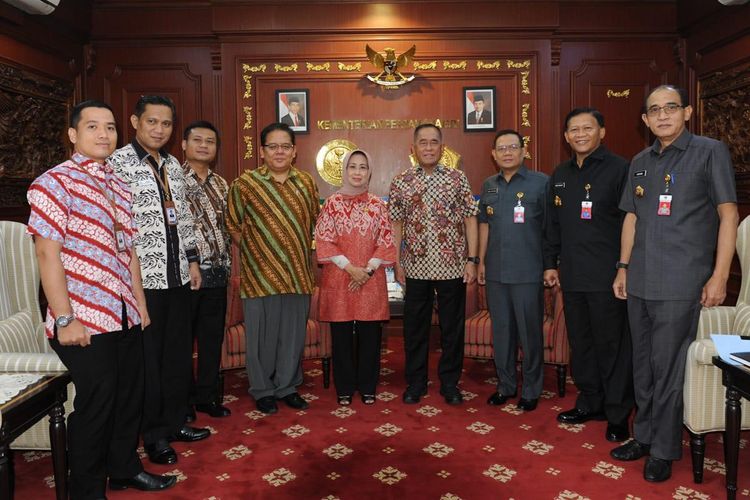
{"x": 248, "y": 117}
{"x": 525, "y": 82}
{"x": 350, "y": 67}
{"x": 488, "y": 65}
{"x": 623, "y": 93}
{"x": 519, "y": 65}
{"x": 383, "y": 124}
{"x": 418, "y": 66}
{"x": 285, "y": 69}
{"x": 246, "y": 68}
{"x": 450, "y": 65}
{"x": 525, "y": 115}
{"x": 526, "y": 142}
{"x": 318, "y": 67}
{"x": 248, "y": 147}
{"x": 248, "y": 86}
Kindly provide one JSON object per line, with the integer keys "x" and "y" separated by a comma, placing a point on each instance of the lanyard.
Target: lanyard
{"x": 164, "y": 183}
{"x": 109, "y": 198}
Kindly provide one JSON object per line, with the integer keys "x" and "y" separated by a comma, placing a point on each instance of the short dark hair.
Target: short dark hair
{"x": 75, "y": 113}
{"x": 684, "y": 99}
{"x": 585, "y": 111}
{"x": 294, "y": 99}
{"x": 157, "y": 100}
{"x": 427, "y": 125}
{"x": 478, "y": 97}
{"x": 273, "y": 127}
{"x": 508, "y": 131}
{"x": 201, "y": 124}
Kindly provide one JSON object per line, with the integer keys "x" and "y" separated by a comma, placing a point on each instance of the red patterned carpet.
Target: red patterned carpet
{"x": 391, "y": 450}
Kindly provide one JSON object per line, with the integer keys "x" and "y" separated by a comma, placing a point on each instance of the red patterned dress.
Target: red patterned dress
{"x": 358, "y": 228}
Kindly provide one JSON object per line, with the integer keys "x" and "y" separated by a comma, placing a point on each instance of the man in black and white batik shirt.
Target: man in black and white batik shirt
{"x": 169, "y": 266}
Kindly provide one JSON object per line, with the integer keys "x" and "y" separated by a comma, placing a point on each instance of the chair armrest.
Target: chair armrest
{"x": 30, "y": 363}
{"x": 472, "y": 299}
{"x": 41, "y": 337}
{"x": 701, "y": 352}
{"x": 314, "y": 299}
{"x": 716, "y": 320}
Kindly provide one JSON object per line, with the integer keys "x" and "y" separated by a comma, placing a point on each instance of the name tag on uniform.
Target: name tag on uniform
{"x": 171, "y": 213}
{"x": 586, "y": 207}
{"x": 559, "y": 184}
{"x": 640, "y": 173}
{"x": 491, "y": 190}
{"x": 665, "y": 205}
{"x": 518, "y": 215}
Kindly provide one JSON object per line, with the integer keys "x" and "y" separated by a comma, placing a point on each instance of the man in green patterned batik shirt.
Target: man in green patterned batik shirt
{"x": 271, "y": 216}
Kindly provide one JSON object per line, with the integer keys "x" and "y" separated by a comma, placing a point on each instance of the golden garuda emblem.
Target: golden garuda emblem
{"x": 390, "y": 76}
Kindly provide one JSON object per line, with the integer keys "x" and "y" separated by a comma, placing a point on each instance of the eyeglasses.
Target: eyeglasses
{"x": 512, "y": 148}
{"x": 669, "y": 109}
{"x": 286, "y": 147}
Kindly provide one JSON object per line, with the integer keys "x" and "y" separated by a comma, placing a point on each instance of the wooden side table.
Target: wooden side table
{"x": 45, "y": 397}
{"x": 737, "y": 381}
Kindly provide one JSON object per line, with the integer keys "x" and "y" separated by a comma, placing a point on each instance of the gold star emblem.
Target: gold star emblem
{"x": 490, "y": 211}
{"x": 639, "y": 192}
{"x": 558, "y": 201}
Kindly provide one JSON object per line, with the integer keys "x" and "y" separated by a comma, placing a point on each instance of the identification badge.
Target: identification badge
{"x": 586, "y": 209}
{"x": 665, "y": 205}
{"x": 171, "y": 213}
{"x": 518, "y": 215}
{"x": 120, "y": 238}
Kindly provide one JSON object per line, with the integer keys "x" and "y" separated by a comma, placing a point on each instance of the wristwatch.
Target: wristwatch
{"x": 369, "y": 271}
{"x": 475, "y": 260}
{"x": 621, "y": 265}
{"x": 63, "y": 321}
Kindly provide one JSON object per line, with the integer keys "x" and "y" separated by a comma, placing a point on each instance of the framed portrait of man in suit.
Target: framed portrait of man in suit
{"x": 479, "y": 109}
{"x": 292, "y": 109}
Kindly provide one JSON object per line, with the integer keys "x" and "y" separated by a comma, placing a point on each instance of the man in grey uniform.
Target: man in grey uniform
{"x": 681, "y": 207}
{"x": 513, "y": 215}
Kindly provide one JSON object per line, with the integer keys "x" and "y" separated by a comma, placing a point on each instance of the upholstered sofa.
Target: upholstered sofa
{"x": 478, "y": 335}
{"x": 23, "y": 345}
{"x": 704, "y": 394}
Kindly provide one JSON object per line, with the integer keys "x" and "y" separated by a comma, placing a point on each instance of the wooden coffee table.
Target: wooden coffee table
{"x": 45, "y": 397}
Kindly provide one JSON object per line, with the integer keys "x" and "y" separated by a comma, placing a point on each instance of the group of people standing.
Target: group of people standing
{"x": 127, "y": 238}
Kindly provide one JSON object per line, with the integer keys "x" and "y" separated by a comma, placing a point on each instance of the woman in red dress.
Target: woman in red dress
{"x": 354, "y": 242}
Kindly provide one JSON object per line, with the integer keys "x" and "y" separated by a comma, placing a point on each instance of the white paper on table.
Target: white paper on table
{"x": 728, "y": 344}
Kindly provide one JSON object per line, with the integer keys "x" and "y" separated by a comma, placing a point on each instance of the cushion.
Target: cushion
{"x": 17, "y": 333}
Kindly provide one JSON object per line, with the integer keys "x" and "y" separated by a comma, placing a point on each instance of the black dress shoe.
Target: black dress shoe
{"x": 214, "y": 410}
{"x": 189, "y": 434}
{"x": 266, "y": 405}
{"x": 294, "y": 400}
{"x": 161, "y": 453}
{"x": 190, "y": 417}
{"x": 145, "y": 481}
{"x": 498, "y": 399}
{"x": 632, "y": 450}
{"x": 413, "y": 396}
{"x": 617, "y": 433}
{"x": 452, "y": 395}
{"x": 657, "y": 470}
{"x": 527, "y": 404}
{"x": 578, "y": 416}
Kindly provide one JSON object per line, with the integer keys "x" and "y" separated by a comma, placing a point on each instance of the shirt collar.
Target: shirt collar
{"x": 265, "y": 172}
{"x": 680, "y": 143}
{"x": 89, "y": 164}
{"x": 597, "y": 154}
{"x": 521, "y": 172}
{"x": 190, "y": 172}
{"x": 142, "y": 153}
{"x": 439, "y": 168}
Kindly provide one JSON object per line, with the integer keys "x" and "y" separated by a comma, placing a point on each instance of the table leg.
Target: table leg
{"x": 59, "y": 450}
{"x": 6, "y": 488}
{"x": 732, "y": 440}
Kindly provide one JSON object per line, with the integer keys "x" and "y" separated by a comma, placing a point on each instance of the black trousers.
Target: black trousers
{"x": 451, "y": 300}
{"x": 601, "y": 353}
{"x": 167, "y": 350}
{"x": 103, "y": 428}
{"x": 356, "y": 361}
{"x": 662, "y": 331}
{"x": 208, "y": 309}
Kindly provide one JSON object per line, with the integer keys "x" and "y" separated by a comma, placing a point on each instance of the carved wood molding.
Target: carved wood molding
{"x": 33, "y": 115}
{"x": 724, "y": 114}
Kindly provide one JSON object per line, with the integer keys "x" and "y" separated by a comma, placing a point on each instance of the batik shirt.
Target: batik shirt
{"x": 276, "y": 221}
{"x": 432, "y": 209}
{"x": 208, "y": 204}
{"x": 164, "y": 250}
{"x": 71, "y": 208}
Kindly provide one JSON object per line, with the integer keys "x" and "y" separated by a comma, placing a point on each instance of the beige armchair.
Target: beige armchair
{"x": 704, "y": 395}
{"x": 23, "y": 345}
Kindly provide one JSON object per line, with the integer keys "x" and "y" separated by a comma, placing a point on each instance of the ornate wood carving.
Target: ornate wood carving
{"x": 33, "y": 113}
{"x": 725, "y": 113}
